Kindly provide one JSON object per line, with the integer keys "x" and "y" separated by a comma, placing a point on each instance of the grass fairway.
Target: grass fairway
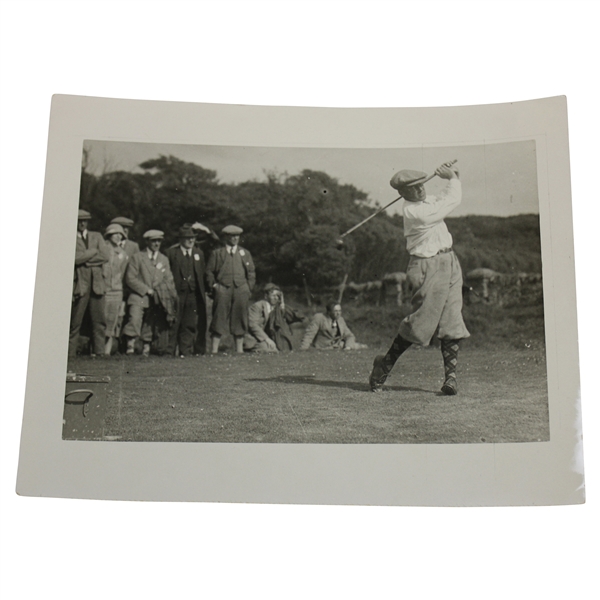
{"x": 323, "y": 397}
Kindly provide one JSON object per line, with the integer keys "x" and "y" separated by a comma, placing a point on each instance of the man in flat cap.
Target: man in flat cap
{"x": 230, "y": 277}
{"x": 434, "y": 274}
{"x": 88, "y": 286}
{"x": 153, "y": 300}
{"x": 188, "y": 268}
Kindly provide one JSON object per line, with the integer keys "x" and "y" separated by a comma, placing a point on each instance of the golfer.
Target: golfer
{"x": 434, "y": 274}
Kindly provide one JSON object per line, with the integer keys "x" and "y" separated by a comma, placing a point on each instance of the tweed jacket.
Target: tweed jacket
{"x": 142, "y": 275}
{"x": 319, "y": 333}
{"x": 217, "y": 260}
{"x": 258, "y": 315}
{"x": 176, "y": 261}
{"x": 88, "y": 265}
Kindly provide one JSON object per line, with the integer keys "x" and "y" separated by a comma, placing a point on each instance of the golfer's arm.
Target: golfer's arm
{"x": 446, "y": 202}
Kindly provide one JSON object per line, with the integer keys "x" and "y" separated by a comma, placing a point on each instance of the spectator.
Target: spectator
{"x": 230, "y": 277}
{"x": 269, "y": 323}
{"x": 128, "y": 245}
{"x": 88, "y": 286}
{"x": 114, "y": 271}
{"x": 188, "y": 268}
{"x": 206, "y": 239}
{"x": 329, "y": 331}
{"x": 153, "y": 299}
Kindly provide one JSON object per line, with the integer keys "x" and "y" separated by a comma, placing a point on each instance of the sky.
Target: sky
{"x": 498, "y": 179}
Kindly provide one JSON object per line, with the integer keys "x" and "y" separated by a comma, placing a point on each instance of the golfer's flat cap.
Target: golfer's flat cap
{"x": 187, "y": 232}
{"x": 407, "y": 178}
{"x": 154, "y": 234}
{"x": 83, "y": 215}
{"x": 123, "y": 221}
{"x": 232, "y": 230}
{"x": 114, "y": 228}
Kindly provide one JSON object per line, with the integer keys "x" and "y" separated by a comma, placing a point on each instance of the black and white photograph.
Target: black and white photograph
{"x": 304, "y": 295}
{"x": 265, "y": 294}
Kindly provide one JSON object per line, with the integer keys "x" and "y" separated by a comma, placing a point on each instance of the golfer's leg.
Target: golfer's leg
{"x": 452, "y": 325}
{"x": 450, "y": 355}
{"x": 383, "y": 364}
{"x": 428, "y": 301}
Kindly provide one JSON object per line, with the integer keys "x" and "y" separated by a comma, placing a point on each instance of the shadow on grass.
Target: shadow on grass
{"x": 349, "y": 385}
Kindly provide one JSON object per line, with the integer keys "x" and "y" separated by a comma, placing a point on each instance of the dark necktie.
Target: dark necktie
{"x": 335, "y": 329}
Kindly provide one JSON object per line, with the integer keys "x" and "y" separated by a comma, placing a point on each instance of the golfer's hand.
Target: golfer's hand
{"x": 447, "y": 172}
{"x": 150, "y": 292}
{"x": 271, "y": 344}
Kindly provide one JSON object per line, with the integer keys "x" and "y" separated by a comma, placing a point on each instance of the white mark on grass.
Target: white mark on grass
{"x": 297, "y": 417}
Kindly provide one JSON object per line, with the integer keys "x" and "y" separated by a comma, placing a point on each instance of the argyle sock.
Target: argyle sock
{"x": 450, "y": 355}
{"x": 399, "y": 345}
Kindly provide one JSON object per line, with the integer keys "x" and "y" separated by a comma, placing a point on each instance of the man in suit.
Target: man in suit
{"x": 230, "y": 276}
{"x": 187, "y": 266}
{"x": 153, "y": 300}
{"x": 88, "y": 286}
{"x": 269, "y": 323}
{"x": 329, "y": 331}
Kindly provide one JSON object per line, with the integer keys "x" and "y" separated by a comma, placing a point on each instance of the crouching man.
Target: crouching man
{"x": 269, "y": 323}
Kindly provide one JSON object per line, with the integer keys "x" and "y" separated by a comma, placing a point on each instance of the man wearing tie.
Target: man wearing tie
{"x": 88, "y": 286}
{"x": 230, "y": 276}
{"x": 329, "y": 331}
{"x": 187, "y": 266}
{"x": 153, "y": 300}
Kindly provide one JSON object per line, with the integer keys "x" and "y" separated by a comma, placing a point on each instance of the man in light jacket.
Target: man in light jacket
{"x": 329, "y": 331}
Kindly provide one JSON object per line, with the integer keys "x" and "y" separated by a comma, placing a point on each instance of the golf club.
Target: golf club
{"x": 340, "y": 240}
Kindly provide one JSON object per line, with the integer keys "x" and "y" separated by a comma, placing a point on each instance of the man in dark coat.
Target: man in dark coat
{"x": 88, "y": 286}
{"x": 187, "y": 266}
{"x": 230, "y": 276}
